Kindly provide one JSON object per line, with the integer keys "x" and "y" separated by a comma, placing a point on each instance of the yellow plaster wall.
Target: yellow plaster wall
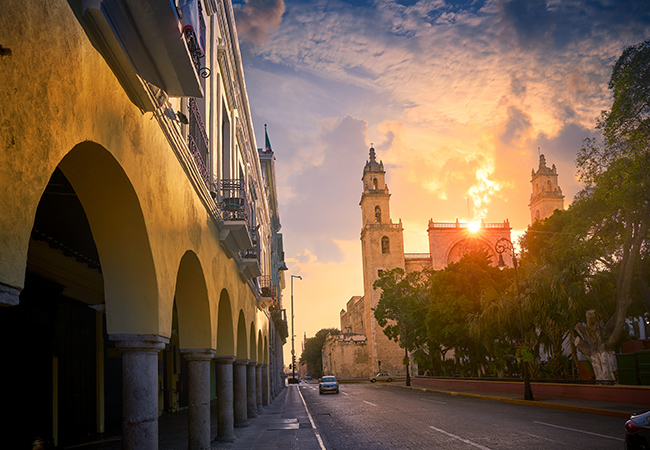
{"x": 57, "y": 93}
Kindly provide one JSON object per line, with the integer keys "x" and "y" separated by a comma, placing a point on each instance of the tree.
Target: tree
{"x": 457, "y": 293}
{"x": 553, "y": 279}
{"x": 614, "y": 206}
{"x": 312, "y": 355}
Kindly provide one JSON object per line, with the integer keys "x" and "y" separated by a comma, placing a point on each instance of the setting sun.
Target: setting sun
{"x": 473, "y": 226}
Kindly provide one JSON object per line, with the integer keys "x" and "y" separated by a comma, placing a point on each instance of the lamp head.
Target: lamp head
{"x": 501, "y": 264}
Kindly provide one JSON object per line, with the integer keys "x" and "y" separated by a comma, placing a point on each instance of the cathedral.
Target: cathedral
{"x": 362, "y": 349}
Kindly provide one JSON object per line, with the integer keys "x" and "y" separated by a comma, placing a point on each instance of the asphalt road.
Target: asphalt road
{"x": 377, "y": 416}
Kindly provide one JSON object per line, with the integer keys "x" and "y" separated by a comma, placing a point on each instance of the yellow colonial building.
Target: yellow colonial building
{"x": 140, "y": 249}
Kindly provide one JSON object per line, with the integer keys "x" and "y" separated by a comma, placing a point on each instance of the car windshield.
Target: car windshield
{"x": 329, "y": 379}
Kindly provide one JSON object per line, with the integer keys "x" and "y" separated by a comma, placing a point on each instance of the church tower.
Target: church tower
{"x": 547, "y": 195}
{"x": 382, "y": 248}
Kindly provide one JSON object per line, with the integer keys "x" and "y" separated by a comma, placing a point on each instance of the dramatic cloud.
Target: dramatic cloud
{"x": 257, "y": 18}
{"x": 459, "y": 99}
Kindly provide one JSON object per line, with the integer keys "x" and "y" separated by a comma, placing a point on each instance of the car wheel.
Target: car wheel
{"x": 337, "y": 391}
{"x": 320, "y": 392}
{"x": 373, "y": 380}
{"x": 390, "y": 379}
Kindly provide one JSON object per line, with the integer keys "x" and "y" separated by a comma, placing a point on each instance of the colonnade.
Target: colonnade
{"x": 242, "y": 391}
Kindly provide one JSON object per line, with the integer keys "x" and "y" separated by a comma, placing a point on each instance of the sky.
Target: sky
{"x": 457, "y": 97}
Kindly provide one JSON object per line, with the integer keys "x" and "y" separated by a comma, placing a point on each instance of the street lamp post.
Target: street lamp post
{"x": 293, "y": 336}
{"x": 501, "y": 246}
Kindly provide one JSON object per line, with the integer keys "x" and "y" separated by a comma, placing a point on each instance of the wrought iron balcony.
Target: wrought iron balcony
{"x": 197, "y": 140}
{"x": 233, "y": 200}
{"x": 279, "y": 317}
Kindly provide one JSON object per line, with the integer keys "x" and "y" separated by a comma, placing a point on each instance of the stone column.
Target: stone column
{"x": 239, "y": 391}
{"x": 139, "y": 389}
{"x": 251, "y": 396}
{"x": 198, "y": 414}
{"x": 258, "y": 386}
{"x": 9, "y": 295}
{"x": 225, "y": 398}
{"x": 265, "y": 384}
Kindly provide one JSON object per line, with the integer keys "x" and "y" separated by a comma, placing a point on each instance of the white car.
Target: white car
{"x": 328, "y": 384}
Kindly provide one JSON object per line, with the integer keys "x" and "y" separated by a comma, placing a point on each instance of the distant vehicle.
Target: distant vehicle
{"x": 328, "y": 384}
{"x": 381, "y": 377}
{"x": 307, "y": 377}
{"x": 292, "y": 380}
{"x": 637, "y": 432}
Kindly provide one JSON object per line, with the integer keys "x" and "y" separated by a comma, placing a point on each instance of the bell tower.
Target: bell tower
{"x": 547, "y": 194}
{"x": 382, "y": 248}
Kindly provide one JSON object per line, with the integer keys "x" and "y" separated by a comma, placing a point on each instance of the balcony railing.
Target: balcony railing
{"x": 266, "y": 286}
{"x": 233, "y": 200}
{"x": 197, "y": 140}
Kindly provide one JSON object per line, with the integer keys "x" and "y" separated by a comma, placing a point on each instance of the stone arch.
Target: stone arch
{"x": 119, "y": 230}
{"x": 225, "y": 334}
{"x": 253, "y": 344}
{"x": 461, "y": 246}
{"x": 242, "y": 342}
{"x": 375, "y": 184}
{"x": 192, "y": 304}
{"x": 260, "y": 347}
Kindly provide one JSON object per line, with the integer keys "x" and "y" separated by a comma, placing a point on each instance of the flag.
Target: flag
{"x": 267, "y": 143}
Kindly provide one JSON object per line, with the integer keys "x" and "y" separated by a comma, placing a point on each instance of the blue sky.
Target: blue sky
{"x": 457, "y": 97}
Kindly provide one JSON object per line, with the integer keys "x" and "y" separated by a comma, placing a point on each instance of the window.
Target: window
{"x": 374, "y": 184}
{"x": 377, "y": 214}
{"x": 385, "y": 245}
{"x": 379, "y": 272}
{"x": 548, "y": 186}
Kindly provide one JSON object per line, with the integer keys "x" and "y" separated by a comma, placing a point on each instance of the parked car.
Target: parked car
{"x": 637, "y": 432}
{"x": 328, "y": 384}
{"x": 381, "y": 377}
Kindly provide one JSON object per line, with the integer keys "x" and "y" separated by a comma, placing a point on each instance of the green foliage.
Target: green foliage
{"x": 429, "y": 311}
{"x": 312, "y": 354}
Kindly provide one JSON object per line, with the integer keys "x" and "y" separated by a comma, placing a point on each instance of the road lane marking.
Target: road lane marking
{"x": 320, "y": 441}
{"x": 369, "y": 403}
{"x": 460, "y": 438}
{"x": 544, "y": 438}
{"x": 579, "y": 431}
{"x": 432, "y": 401}
{"x": 343, "y": 393}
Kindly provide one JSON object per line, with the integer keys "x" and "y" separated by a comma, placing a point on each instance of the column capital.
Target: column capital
{"x": 197, "y": 354}
{"x": 252, "y": 363}
{"x": 139, "y": 342}
{"x": 240, "y": 362}
{"x": 9, "y": 295}
{"x": 224, "y": 359}
{"x": 259, "y": 365}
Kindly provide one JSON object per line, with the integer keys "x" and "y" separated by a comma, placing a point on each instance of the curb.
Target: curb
{"x": 582, "y": 409}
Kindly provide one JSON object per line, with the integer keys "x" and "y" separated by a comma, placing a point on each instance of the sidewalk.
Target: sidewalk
{"x": 284, "y": 424}
{"x": 600, "y": 407}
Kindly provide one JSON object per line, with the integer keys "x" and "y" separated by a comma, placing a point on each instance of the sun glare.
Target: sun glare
{"x": 474, "y": 226}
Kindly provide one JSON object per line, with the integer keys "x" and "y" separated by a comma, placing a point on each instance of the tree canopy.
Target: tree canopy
{"x": 312, "y": 354}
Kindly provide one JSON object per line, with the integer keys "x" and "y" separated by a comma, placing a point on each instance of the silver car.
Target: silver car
{"x": 328, "y": 384}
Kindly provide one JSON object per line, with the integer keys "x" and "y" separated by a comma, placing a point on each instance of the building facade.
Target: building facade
{"x": 363, "y": 349}
{"x": 138, "y": 227}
